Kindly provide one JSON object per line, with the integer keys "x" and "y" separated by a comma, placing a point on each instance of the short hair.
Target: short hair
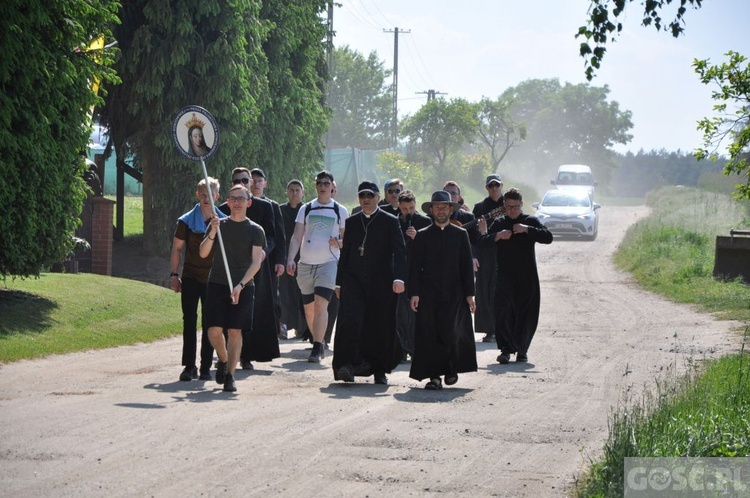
{"x": 406, "y": 196}
{"x": 513, "y": 193}
{"x": 212, "y": 182}
{"x": 393, "y": 181}
{"x": 451, "y": 183}
{"x": 297, "y": 182}
{"x": 241, "y": 169}
{"x": 239, "y": 186}
{"x": 324, "y": 174}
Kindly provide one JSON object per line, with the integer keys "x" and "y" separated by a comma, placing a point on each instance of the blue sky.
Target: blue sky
{"x": 480, "y": 48}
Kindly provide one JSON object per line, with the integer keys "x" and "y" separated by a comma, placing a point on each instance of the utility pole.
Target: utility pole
{"x": 431, "y": 94}
{"x": 329, "y": 37}
{"x": 395, "y": 32}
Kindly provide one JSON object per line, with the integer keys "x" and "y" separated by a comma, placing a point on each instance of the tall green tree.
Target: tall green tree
{"x": 174, "y": 54}
{"x": 256, "y": 66}
{"x": 46, "y": 96}
{"x": 438, "y": 129}
{"x": 295, "y": 118}
{"x": 568, "y": 124}
{"x": 361, "y": 101}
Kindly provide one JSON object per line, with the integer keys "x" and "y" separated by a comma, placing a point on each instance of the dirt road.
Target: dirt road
{"x": 118, "y": 423}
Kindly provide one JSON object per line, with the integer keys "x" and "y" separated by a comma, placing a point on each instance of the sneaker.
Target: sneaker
{"x": 246, "y": 365}
{"x": 488, "y": 338}
{"x": 317, "y": 354}
{"x": 204, "y": 376}
{"x": 345, "y": 373}
{"x": 229, "y": 384}
{"x": 522, "y": 358}
{"x": 189, "y": 373}
{"x": 503, "y": 359}
{"x": 221, "y": 372}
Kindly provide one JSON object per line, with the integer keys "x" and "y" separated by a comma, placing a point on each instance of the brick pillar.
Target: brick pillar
{"x": 101, "y": 235}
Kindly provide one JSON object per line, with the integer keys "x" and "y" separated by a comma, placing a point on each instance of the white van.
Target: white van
{"x": 575, "y": 177}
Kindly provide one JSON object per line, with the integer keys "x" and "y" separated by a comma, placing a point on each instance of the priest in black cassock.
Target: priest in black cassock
{"x": 371, "y": 272}
{"x": 517, "y": 292}
{"x": 441, "y": 290}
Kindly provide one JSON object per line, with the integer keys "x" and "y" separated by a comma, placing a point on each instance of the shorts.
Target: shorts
{"x": 220, "y": 312}
{"x": 317, "y": 279}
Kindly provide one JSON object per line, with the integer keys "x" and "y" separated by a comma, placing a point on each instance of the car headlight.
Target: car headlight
{"x": 542, "y": 215}
{"x": 588, "y": 216}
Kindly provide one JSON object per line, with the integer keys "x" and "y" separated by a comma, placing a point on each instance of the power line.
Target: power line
{"x": 359, "y": 17}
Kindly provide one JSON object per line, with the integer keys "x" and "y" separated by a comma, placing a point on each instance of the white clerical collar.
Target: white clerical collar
{"x": 371, "y": 214}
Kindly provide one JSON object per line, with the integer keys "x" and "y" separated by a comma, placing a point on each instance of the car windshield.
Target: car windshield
{"x": 584, "y": 179}
{"x": 563, "y": 199}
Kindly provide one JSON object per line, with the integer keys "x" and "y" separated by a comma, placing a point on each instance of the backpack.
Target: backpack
{"x": 308, "y": 208}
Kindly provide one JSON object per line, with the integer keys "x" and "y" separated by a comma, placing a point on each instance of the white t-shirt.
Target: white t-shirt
{"x": 322, "y": 224}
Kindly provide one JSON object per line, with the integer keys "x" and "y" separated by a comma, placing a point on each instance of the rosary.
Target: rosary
{"x": 362, "y": 246}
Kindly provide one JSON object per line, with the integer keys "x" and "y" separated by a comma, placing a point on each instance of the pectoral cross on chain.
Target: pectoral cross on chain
{"x": 362, "y": 250}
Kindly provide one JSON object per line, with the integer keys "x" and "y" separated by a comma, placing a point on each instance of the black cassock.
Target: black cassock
{"x": 517, "y": 294}
{"x": 372, "y": 257}
{"x": 442, "y": 275}
{"x": 405, "y": 317}
{"x": 484, "y": 316}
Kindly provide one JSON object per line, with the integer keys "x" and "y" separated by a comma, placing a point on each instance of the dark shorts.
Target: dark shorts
{"x": 220, "y": 312}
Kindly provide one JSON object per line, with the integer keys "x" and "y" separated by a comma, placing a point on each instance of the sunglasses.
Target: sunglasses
{"x": 323, "y": 184}
{"x": 393, "y": 191}
{"x": 243, "y": 181}
{"x": 366, "y": 195}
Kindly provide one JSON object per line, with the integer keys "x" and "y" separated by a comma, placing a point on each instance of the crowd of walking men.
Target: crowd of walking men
{"x": 396, "y": 283}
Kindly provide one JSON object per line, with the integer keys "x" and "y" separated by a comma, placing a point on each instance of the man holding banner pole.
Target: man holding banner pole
{"x": 228, "y": 307}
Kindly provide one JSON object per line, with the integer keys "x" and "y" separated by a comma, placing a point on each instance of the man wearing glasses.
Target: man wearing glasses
{"x": 318, "y": 234}
{"x": 517, "y": 294}
{"x": 371, "y": 272}
{"x": 393, "y": 189}
{"x": 260, "y": 343}
{"x": 231, "y": 308}
{"x": 484, "y": 319}
{"x": 389, "y": 203}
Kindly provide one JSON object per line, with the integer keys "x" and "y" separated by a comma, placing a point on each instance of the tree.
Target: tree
{"x": 733, "y": 80}
{"x": 46, "y": 75}
{"x": 567, "y": 124}
{"x": 215, "y": 54}
{"x": 293, "y": 122}
{"x": 603, "y": 25}
{"x": 361, "y": 101}
{"x": 440, "y": 128}
{"x": 497, "y": 128}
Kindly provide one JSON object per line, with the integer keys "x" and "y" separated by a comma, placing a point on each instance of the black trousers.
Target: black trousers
{"x": 192, "y": 293}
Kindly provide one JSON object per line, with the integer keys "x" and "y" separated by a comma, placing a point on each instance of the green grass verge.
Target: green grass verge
{"x": 672, "y": 251}
{"x": 61, "y": 313}
{"x": 707, "y": 412}
{"x": 701, "y": 414}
